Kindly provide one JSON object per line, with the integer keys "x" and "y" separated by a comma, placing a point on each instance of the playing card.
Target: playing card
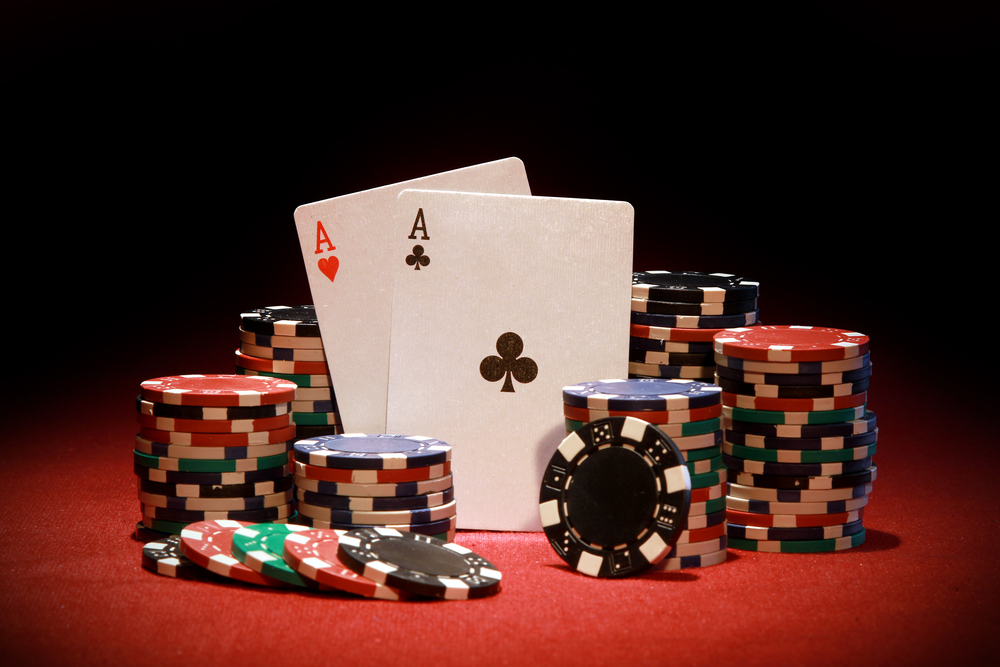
{"x": 346, "y": 245}
{"x": 518, "y": 297}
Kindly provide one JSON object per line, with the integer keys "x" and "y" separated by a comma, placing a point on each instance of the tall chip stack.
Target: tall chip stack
{"x": 688, "y": 413}
{"x": 213, "y": 447}
{"x": 358, "y": 480}
{"x": 799, "y": 438}
{"x": 284, "y": 342}
{"x": 675, "y": 315}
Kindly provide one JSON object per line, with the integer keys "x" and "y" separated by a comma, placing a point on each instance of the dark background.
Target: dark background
{"x": 841, "y": 154}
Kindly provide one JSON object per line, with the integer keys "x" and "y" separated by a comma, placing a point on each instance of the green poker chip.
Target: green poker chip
{"x": 799, "y": 546}
{"x": 702, "y": 454}
{"x": 261, "y": 547}
{"x": 800, "y": 456}
{"x": 209, "y": 465}
{"x": 777, "y": 417}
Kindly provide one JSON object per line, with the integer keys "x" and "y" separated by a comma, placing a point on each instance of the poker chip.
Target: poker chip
{"x": 765, "y": 507}
{"x": 296, "y": 321}
{"x": 704, "y": 465}
{"x": 650, "y": 357}
{"x": 375, "y": 504}
{"x": 418, "y": 564}
{"x": 212, "y": 478}
{"x": 658, "y": 416}
{"x": 283, "y": 353}
{"x": 705, "y": 560}
{"x": 361, "y": 451}
{"x": 787, "y": 417}
{"x": 217, "y": 390}
{"x": 654, "y": 345}
{"x": 784, "y": 482}
{"x": 798, "y": 495}
{"x": 315, "y": 394}
{"x": 377, "y": 489}
{"x": 702, "y": 534}
{"x": 771, "y": 442}
{"x": 442, "y": 529}
{"x": 705, "y": 451}
{"x": 394, "y": 476}
{"x": 317, "y": 419}
{"x": 306, "y": 431}
{"x": 313, "y": 555}
{"x": 175, "y": 527}
{"x": 214, "y": 426}
{"x": 735, "y": 463}
{"x": 842, "y": 377}
{"x": 705, "y": 507}
{"x": 675, "y": 431}
{"x": 792, "y": 391}
{"x": 216, "y": 490}
{"x": 219, "y": 439}
{"x": 701, "y": 480}
{"x": 665, "y": 371}
{"x": 695, "y": 321}
{"x": 763, "y": 533}
{"x": 704, "y": 520}
{"x": 800, "y": 456}
{"x": 707, "y": 493}
{"x": 795, "y": 404}
{"x": 631, "y": 395}
{"x": 864, "y": 424}
{"x": 189, "y": 516}
{"x": 144, "y": 534}
{"x": 697, "y": 548}
{"x": 187, "y": 452}
{"x": 794, "y": 368}
{"x": 217, "y": 504}
{"x": 673, "y": 334}
{"x": 276, "y": 366}
{"x": 692, "y": 286}
{"x": 261, "y": 547}
{"x": 324, "y": 405}
{"x": 300, "y": 379}
{"x": 800, "y": 546}
{"x": 197, "y": 412}
{"x": 209, "y": 465}
{"x": 693, "y": 308}
{"x": 379, "y": 517}
{"x": 305, "y": 342}
{"x": 791, "y": 343}
{"x": 590, "y": 523}
{"x": 209, "y": 544}
{"x": 792, "y": 520}
{"x": 165, "y": 557}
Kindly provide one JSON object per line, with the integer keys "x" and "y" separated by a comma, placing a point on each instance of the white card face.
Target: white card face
{"x": 520, "y": 297}
{"x": 347, "y": 244}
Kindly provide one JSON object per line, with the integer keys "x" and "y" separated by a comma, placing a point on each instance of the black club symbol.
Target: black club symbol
{"x": 418, "y": 258}
{"x": 510, "y": 346}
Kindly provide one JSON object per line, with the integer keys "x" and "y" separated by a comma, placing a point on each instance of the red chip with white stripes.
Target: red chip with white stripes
{"x": 785, "y": 343}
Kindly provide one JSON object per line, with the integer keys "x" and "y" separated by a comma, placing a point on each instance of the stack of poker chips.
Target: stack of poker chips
{"x": 358, "y": 480}
{"x": 383, "y": 564}
{"x": 284, "y": 342}
{"x": 799, "y": 438}
{"x": 674, "y": 316}
{"x": 213, "y": 447}
{"x": 688, "y": 412}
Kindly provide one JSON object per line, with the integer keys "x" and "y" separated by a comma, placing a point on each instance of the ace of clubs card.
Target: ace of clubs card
{"x": 346, "y": 244}
{"x": 519, "y": 297}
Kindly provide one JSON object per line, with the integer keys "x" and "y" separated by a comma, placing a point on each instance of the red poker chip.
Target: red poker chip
{"x": 209, "y": 544}
{"x": 393, "y": 475}
{"x": 784, "y": 343}
{"x": 673, "y": 333}
{"x": 741, "y": 518}
{"x": 214, "y": 425}
{"x": 219, "y": 439}
{"x": 313, "y": 554}
{"x": 218, "y": 390}
{"x": 284, "y": 367}
{"x": 794, "y": 404}
{"x": 652, "y": 416}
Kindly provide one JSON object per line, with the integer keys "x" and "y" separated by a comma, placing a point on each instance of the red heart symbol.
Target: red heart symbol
{"x": 329, "y": 266}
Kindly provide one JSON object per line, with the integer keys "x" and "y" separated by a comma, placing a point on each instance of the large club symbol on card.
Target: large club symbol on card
{"x": 509, "y": 364}
{"x": 331, "y": 264}
{"x": 417, "y": 257}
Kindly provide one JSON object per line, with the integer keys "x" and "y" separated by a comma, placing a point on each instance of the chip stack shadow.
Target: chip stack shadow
{"x": 284, "y": 342}
{"x": 688, "y": 413}
{"x": 799, "y": 438}
{"x": 213, "y": 447}
{"x": 674, "y": 316}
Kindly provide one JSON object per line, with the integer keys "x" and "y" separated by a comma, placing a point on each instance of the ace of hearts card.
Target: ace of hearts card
{"x": 499, "y": 301}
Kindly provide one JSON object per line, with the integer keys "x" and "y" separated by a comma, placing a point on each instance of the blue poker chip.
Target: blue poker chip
{"x": 363, "y": 451}
{"x": 642, "y": 394}
{"x": 794, "y": 368}
{"x": 695, "y": 321}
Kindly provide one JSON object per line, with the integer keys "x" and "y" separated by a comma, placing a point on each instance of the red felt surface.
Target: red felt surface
{"x": 922, "y": 589}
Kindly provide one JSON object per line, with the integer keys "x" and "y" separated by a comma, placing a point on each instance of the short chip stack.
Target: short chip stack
{"x": 799, "y": 439}
{"x": 213, "y": 447}
{"x": 284, "y": 342}
{"x": 674, "y": 316}
{"x": 358, "y": 480}
{"x": 688, "y": 413}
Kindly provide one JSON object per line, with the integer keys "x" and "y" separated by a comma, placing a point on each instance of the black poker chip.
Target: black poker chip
{"x": 692, "y": 286}
{"x": 614, "y": 497}
{"x": 281, "y": 321}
